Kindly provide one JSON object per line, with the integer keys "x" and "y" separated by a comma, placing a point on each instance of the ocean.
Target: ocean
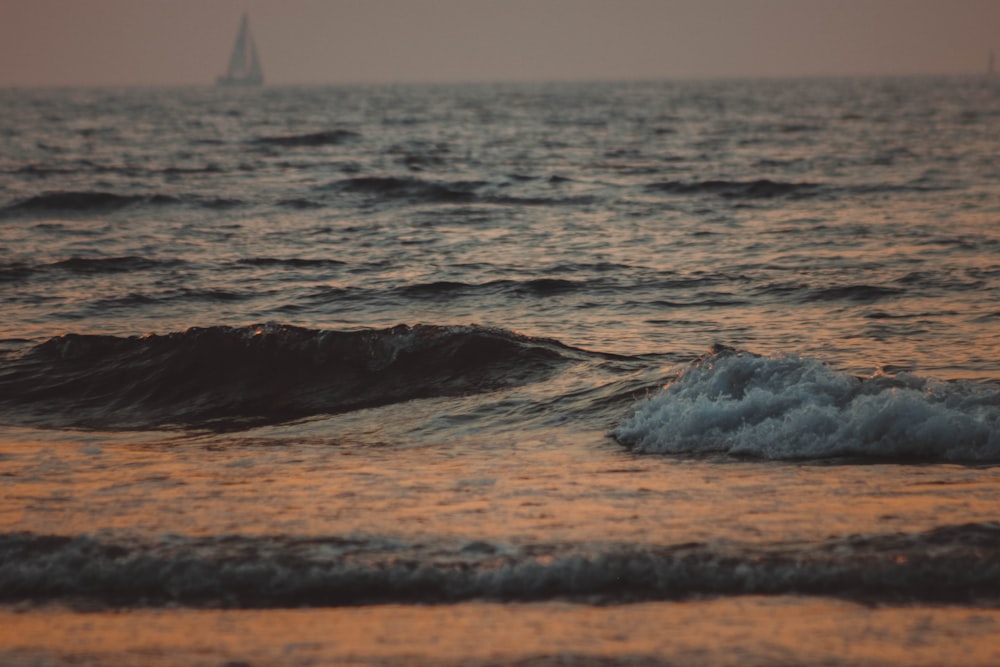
{"x": 634, "y": 373}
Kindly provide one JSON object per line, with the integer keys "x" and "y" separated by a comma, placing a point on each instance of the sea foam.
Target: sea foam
{"x": 952, "y": 563}
{"x": 791, "y": 407}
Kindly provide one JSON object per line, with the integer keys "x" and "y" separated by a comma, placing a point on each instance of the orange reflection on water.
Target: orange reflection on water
{"x": 748, "y": 630}
{"x": 505, "y": 492}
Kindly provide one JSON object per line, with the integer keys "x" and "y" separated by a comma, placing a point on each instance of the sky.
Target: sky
{"x": 170, "y": 42}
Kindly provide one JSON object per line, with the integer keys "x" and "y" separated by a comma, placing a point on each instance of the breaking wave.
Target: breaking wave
{"x": 788, "y": 407}
{"x": 236, "y": 377}
{"x": 949, "y": 564}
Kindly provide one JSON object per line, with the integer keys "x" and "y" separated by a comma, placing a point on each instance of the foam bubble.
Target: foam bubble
{"x": 789, "y": 407}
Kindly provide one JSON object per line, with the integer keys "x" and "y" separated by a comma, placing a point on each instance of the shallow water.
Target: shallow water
{"x": 406, "y": 348}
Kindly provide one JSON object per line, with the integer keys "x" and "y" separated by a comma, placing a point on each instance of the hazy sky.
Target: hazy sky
{"x": 86, "y": 42}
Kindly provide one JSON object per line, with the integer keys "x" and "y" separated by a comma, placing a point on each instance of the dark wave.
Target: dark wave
{"x": 177, "y": 171}
{"x": 767, "y": 189}
{"x": 757, "y": 189}
{"x": 81, "y": 201}
{"x": 791, "y": 408}
{"x": 949, "y": 564}
{"x": 418, "y": 190}
{"x": 414, "y": 189}
{"x": 299, "y": 204}
{"x": 182, "y": 294}
{"x": 123, "y": 264}
{"x": 39, "y": 171}
{"x": 294, "y": 262}
{"x": 439, "y": 288}
{"x": 325, "y": 138}
{"x": 16, "y": 271}
{"x": 549, "y": 286}
{"x": 539, "y": 287}
{"x": 92, "y": 201}
{"x": 237, "y": 377}
{"x": 862, "y": 293}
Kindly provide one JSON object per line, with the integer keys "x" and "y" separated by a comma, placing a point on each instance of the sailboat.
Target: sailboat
{"x": 244, "y": 66}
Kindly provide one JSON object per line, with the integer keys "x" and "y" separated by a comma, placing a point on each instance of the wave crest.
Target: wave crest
{"x": 788, "y": 407}
{"x": 236, "y": 377}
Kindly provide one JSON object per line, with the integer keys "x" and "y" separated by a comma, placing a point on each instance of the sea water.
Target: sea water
{"x": 622, "y": 373}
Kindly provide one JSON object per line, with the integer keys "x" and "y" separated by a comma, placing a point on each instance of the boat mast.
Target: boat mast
{"x": 244, "y": 64}
{"x": 238, "y": 61}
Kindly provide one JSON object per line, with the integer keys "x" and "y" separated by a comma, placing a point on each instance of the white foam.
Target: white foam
{"x": 788, "y": 407}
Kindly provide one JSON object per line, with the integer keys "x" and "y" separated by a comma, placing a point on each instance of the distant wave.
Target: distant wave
{"x": 176, "y": 294}
{"x": 235, "y": 377}
{"x": 861, "y": 293}
{"x": 85, "y": 265}
{"x": 539, "y": 287}
{"x": 763, "y": 188}
{"x": 294, "y": 262}
{"x": 736, "y": 403}
{"x": 324, "y": 138}
{"x": 948, "y": 564}
{"x": 94, "y": 201}
{"x": 111, "y": 264}
{"x": 410, "y": 188}
{"x": 82, "y": 201}
{"x": 757, "y": 189}
{"x": 418, "y": 190}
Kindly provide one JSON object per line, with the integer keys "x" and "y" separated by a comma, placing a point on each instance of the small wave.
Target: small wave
{"x": 294, "y": 262}
{"x": 804, "y": 293}
{"x": 788, "y": 407}
{"x": 414, "y": 189}
{"x": 40, "y": 171}
{"x": 949, "y": 564}
{"x": 862, "y": 293}
{"x": 238, "y": 377}
{"x": 16, "y": 271}
{"x": 550, "y": 286}
{"x": 537, "y": 287}
{"x": 87, "y": 201}
{"x": 123, "y": 264}
{"x": 80, "y": 201}
{"x": 757, "y": 189}
{"x": 438, "y": 288}
{"x": 179, "y": 171}
{"x": 139, "y": 300}
{"x": 299, "y": 203}
{"x": 312, "y": 139}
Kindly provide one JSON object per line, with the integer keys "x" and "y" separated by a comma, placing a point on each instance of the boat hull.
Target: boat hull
{"x": 240, "y": 82}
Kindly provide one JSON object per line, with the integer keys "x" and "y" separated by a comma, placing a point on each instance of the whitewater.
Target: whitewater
{"x": 594, "y": 373}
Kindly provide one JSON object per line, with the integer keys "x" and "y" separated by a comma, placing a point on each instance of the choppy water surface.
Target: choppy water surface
{"x": 719, "y": 355}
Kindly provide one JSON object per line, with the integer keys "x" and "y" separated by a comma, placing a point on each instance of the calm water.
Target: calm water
{"x": 700, "y": 373}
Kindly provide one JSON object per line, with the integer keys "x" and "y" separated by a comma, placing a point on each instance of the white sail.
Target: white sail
{"x": 244, "y": 65}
